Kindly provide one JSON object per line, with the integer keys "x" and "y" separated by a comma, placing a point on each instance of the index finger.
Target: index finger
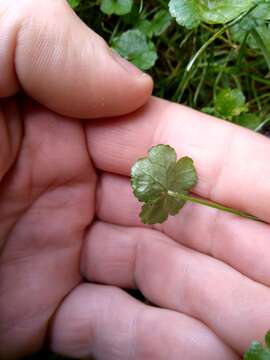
{"x": 232, "y": 162}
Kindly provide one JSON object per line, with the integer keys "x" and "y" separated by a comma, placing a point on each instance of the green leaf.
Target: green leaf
{"x": 186, "y": 12}
{"x": 145, "y": 26}
{"x": 261, "y": 12}
{"x": 160, "y": 22}
{"x": 157, "y": 211}
{"x": 257, "y": 18}
{"x": 154, "y": 176}
{"x": 248, "y": 120}
{"x": 74, "y": 3}
{"x": 223, "y": 11}
{"x": 133, "y": 16}
{"x": 255, "y": 29}
{"x": 209, "y": 110}
{"x": 190, "y": 13}
{"x": 181, "y": 176}
{"x": 267, "y": 339}
{"x": 229, "y": 103}
{"x": 134, "y": 46}
{"x": 257, "y": 352}
{"x": 117, "y": 7}
{"x": 261, "y": 36}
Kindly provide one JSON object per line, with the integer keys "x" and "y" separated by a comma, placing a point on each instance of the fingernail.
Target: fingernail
{"x": 126, "y": 65}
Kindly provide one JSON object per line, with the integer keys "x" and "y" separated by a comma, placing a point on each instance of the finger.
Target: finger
{"x": 63, "y": 64}
{"x": 10, "y": 134}
{"x": 107, "y": 323}
{"x": 47, "y": 202}
{"x": 241, "y": 243}
{"x": 232, "y": 162}
{"x": 178, "y": 278}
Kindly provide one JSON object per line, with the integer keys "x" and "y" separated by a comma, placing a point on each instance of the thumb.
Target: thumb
{"x": 63, "y": 64}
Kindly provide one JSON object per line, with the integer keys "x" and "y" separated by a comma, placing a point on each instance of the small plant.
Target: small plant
{"x": 117, "y": 7}
{"x": 163, "y": 183}
{"x": 134, "y": 46}
{"x": 257, "y": 351}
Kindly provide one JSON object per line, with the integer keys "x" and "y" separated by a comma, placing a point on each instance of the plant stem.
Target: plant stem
{"x": 212, "y": 205}
{"x": 215, "y": 36}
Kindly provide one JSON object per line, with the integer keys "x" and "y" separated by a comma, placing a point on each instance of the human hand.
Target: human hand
{"x": 47, "y": 209}
{"x": 47, "y": 181}
{"x": 204, "y": 264}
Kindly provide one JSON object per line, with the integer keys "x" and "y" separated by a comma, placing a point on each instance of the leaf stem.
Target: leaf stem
{"x": 216, "y": 35}
{"x": 212, "y": 205}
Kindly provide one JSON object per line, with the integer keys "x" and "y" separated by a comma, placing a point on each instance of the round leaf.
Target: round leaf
{"x": 133, "y": 45}
{"x": 229, "y": 103}
{"x": 190, "y": 13}
{"x": 118, "y": 7}
{"x": 153, "y": 177}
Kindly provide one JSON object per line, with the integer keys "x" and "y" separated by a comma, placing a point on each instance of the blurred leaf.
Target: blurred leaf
{"x": 267, "y": 339}
{"x": 190, "y": 13}
{"x": 209, "y": 110}
{"x": 250, "y": 121}
{"x": 261, "y": 37}
{"x": 229, "y": 103}
{"x": 134, "y": 46}
{"x": 117, "y": 7}
{"x": 145, "y": 26}
{"x": 257, "y": 352}
{"x": 74, "y": 3}
{"x": 186, "y": 12}
{"x": 133, "y": 16}
{"x": 257, "y": 17}
{"x": 160, "y": 22}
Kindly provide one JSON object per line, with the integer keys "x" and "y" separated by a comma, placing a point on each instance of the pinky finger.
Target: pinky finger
{"x": 107, "y": 323}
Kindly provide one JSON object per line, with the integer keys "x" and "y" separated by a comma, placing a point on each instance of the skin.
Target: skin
{"x": 70, "y": 238}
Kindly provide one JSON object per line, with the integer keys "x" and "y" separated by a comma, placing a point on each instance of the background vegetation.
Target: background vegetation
{"x": 230, "y": 78}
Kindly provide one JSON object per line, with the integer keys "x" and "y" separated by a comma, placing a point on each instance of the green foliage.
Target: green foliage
{"x": 160, "y": 23}
{"x": 229, "y": 103}
{"x": 74, "y": 3}
{"x": 152, "y": 179}
{"x": 236, "y": 58}
{"x": 162, "y": 183}
{"x": 257, "y": 351}
{"x": 248, "y": 120}
{"x": 186, "y": 12}
{"x": 267, "y": 339}
{"x": 134, "y": 46}
{"x": 118, "y": 7}
{"x": 225, "y": 64}
{"x": 190, "y": 13}
{"x": 255, "y": 30}
{"x": 256, "y": 18}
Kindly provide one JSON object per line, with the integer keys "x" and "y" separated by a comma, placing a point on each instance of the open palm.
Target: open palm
{"x": 64, "y": 227}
